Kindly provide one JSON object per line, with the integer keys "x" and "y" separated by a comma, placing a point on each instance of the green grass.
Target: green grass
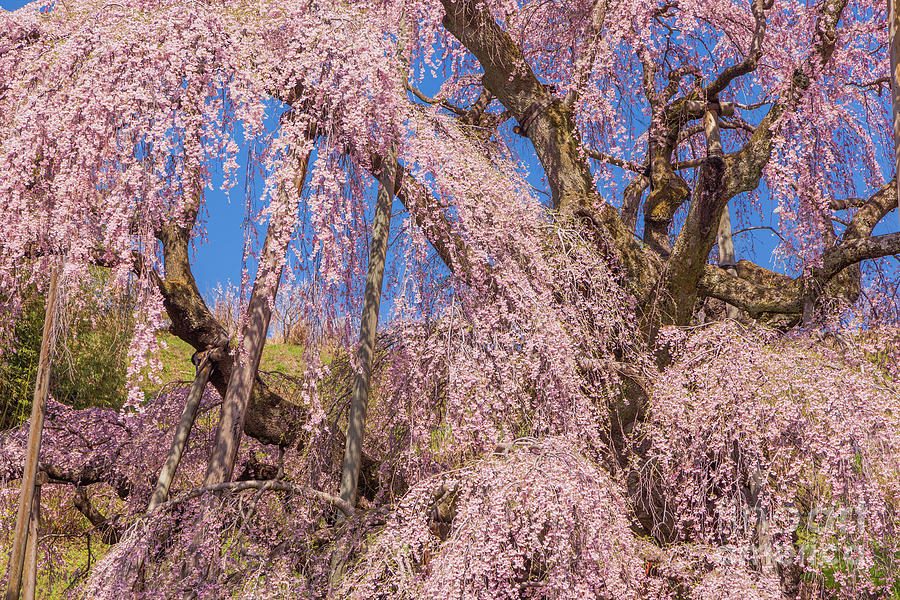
{"x": 176, "y": 360}
{"x": 63, "y": 553}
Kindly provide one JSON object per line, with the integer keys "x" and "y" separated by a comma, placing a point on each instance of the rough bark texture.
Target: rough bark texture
{"x": 270, "y": 418}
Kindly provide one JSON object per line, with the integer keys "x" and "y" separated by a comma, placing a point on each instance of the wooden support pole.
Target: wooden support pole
{"x": 185, "y": 423}
{"x": 359, "y": 399}
{"x": 240, "y": 385}
{"x": 259, "y": 313}
{"x": 35, "y": 430}
{"x": 723, "y": 234}
{"x": 894, "y": 43}
{"x": 29, "y": 584}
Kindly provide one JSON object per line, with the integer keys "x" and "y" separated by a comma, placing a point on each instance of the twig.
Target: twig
{"x": 614, "y": 160}
{"x": 772, "y": 229}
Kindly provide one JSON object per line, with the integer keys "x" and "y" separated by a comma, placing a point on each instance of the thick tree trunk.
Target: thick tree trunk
{"x": 270, "y": 418}
{"x": 167, "y": 474}
{"x": 368, "y": 324}
{"x": 38, "y": 407}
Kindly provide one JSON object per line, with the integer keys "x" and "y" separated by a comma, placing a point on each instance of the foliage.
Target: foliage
{"x": 19, "y": 367}
{"x": 535, "y": 520}
{"x": 90, "y": 360}
{"x": 548, "y": 417}
{"x": 759, "y": 440}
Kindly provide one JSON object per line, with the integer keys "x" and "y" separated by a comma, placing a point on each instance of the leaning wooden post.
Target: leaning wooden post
{"x": 894, "y": 29}
{"x": 29, "y": 585}
{"x": 724, "y": 240}
{"x": 220, "y": 467}
{"x": 359, "y": 398}
{"x": 188, "y": 415}
{"x": 29, "y": 472}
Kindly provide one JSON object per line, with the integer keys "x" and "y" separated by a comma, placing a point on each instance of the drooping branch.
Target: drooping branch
{"x": 750, "y": 62}
{"x": 584, "y": 64}
{"x": 894, "y": 46}
{"x": 549, "y": 123}
{"x": 743, "y": 169}
{"x": 109, "y": 530}
{"x": 740, "y": 172}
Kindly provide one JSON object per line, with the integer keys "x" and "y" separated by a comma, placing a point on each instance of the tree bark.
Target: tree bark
{"x": 270, "y": 418}
{"x": 167, "y": 474}
{"x": 368, "y": 324}
{"x": 38, "y": 408}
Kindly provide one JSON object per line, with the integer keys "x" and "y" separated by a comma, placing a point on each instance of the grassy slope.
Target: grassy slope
{"x": 176, "y": 360}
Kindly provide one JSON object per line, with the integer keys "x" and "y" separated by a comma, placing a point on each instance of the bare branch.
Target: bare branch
{"x": 754, "y": 289}
{"x": 442, "y": 101}
{"x": 855, "y": 250}
{"x": 749, "y": 64}
{"x": 761, "y": 227}
{"x": 615, "y": 160}
{"x": 261, "y": 485}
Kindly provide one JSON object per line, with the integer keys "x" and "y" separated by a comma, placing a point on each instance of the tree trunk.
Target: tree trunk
{"x": 368, "y": 324}
{"x": 38, "y": 408}
{"x": 182, "y": 432}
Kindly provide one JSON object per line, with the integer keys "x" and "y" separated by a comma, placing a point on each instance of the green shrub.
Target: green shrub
{"x": 89, "y": 363}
